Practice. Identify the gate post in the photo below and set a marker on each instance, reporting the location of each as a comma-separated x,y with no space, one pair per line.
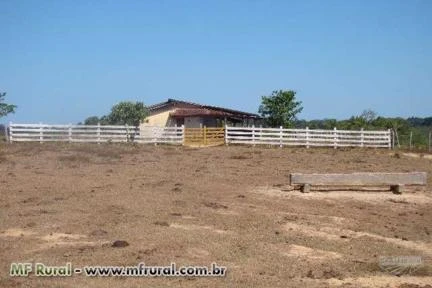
205,135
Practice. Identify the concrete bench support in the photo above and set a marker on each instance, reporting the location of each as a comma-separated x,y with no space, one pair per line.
305,188
396,181
397,189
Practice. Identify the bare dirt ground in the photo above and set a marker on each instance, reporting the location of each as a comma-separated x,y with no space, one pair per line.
69,203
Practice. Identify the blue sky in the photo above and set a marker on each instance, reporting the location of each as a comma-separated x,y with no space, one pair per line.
62,61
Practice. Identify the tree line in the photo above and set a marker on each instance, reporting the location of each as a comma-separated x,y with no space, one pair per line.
281,109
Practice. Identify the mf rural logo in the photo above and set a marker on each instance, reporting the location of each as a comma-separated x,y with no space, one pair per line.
40,269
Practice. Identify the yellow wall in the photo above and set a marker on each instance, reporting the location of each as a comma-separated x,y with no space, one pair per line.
160,119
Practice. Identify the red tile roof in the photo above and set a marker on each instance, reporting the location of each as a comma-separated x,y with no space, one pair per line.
182,112
195,109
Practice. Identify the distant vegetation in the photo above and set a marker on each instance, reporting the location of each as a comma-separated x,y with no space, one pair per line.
281,109
369,120
5,108
130,113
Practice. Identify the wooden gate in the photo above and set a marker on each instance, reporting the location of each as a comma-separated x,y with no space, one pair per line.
204,136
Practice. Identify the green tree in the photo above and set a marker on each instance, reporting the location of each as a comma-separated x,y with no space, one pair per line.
329,124
130,113
104,120
5,108
92,120
280,108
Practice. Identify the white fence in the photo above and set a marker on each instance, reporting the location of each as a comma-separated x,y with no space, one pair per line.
307,137
174,135
94,133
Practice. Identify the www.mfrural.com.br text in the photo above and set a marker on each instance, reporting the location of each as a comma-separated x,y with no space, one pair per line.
139,270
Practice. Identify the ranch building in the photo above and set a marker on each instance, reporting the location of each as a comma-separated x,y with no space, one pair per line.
191,115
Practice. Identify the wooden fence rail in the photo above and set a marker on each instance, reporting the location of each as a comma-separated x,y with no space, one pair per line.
178,135
308,137
94,133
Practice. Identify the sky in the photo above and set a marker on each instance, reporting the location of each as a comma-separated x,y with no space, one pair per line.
62,61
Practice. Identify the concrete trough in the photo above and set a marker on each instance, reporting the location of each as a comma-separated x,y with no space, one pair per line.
396,181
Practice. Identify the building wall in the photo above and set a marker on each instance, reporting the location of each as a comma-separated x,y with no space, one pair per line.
161,119
210,122
193,122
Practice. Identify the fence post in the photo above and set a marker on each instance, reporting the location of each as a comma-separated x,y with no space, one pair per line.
205,135
127,132
253,135
397,138
135,133
8,138
280,136
183,133
389,139
362,137
307,137
335,138
98,133
70,132
410,143
393,134
260,135
226,134
40,133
